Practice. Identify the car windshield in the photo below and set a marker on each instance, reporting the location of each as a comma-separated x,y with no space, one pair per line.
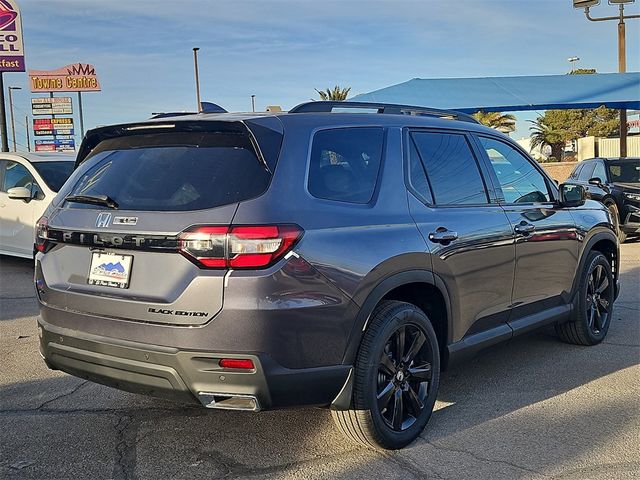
55,173
625,172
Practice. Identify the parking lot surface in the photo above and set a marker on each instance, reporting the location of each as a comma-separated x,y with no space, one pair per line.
533,408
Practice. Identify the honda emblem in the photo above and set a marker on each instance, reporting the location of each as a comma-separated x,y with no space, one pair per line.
103,220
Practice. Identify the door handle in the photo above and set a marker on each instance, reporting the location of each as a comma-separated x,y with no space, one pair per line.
442,235
524,228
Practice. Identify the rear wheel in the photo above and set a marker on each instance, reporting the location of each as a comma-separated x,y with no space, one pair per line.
396,378
591,320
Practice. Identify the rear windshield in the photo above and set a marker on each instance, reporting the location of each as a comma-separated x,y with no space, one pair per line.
54,174
172,172
625,172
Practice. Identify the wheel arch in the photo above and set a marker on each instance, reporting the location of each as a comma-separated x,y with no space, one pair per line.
604,242
422,288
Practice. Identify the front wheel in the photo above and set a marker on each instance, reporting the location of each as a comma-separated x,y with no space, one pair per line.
396,378
592,317
615,215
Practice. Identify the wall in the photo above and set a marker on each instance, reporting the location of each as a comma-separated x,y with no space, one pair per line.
559,170
610,147
586,148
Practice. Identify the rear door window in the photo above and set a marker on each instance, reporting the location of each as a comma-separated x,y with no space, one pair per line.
345,163
451,168
176,171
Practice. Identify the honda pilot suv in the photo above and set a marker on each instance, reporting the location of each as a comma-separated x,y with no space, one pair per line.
338,255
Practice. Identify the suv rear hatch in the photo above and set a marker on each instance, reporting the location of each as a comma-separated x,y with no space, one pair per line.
140,231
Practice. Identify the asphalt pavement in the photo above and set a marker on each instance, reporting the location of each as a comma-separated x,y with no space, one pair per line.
532,408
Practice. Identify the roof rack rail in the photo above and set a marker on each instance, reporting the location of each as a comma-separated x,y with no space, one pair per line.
389,108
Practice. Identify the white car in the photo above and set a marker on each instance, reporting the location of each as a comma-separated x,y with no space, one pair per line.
28,183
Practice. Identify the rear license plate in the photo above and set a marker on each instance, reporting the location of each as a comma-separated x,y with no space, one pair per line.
110,270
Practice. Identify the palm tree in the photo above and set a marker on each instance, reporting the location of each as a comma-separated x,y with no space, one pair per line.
503,122
544,135
337,93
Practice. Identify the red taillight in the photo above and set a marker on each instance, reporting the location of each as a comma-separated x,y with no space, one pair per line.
255,246
239,363
42,234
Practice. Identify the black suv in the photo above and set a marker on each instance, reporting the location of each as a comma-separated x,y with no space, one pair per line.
616,183
338,255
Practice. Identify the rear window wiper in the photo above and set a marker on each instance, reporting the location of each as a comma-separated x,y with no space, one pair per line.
104,200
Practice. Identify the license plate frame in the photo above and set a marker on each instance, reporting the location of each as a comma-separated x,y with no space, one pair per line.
110,269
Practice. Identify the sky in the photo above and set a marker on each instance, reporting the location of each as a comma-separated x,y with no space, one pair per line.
281,50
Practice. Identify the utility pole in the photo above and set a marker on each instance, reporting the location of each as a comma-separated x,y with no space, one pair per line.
622,50
13,123
26,122
3,117
195,66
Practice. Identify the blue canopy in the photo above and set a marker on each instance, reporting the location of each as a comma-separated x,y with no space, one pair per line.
497,94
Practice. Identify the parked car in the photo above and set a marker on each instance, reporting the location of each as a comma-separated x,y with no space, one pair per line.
28,182
313,258
616,183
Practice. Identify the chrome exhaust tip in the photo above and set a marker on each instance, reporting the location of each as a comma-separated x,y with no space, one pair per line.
229,401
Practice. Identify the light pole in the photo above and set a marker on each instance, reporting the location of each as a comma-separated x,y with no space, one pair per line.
622,51
253,103
13,124
195,66
572,61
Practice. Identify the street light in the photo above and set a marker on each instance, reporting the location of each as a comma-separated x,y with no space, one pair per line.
253,103
195,66
622,50
13,125
573,60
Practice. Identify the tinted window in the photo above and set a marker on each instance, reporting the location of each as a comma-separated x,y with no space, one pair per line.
417,174
54,174
172,172
345,163
599,172
17,175
576,172
451,168
585,173
520,181
625,172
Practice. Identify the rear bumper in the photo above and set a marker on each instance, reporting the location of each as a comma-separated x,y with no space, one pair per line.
188,376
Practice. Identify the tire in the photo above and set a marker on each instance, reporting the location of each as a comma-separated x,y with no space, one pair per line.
591,319
613,208
385,408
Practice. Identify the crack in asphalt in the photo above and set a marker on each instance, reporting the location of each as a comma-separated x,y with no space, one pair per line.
124,464
483,459
408,466
63,395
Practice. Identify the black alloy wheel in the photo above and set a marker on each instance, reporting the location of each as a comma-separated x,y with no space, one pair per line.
599,294
404,375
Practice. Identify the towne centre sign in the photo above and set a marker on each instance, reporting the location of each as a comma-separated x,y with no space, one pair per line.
78,77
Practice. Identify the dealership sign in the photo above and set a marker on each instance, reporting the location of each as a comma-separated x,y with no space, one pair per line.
11,46
51,106
57,145
53,126
79,77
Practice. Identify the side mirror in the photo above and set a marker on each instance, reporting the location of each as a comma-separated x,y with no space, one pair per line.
19,193
595,181
572,195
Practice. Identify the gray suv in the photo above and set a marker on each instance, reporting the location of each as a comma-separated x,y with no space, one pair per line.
338,255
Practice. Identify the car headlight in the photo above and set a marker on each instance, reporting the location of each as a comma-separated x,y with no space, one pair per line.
633,196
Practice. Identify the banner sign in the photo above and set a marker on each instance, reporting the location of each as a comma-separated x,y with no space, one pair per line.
59,127
78,77
11,46
57,145
51,106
